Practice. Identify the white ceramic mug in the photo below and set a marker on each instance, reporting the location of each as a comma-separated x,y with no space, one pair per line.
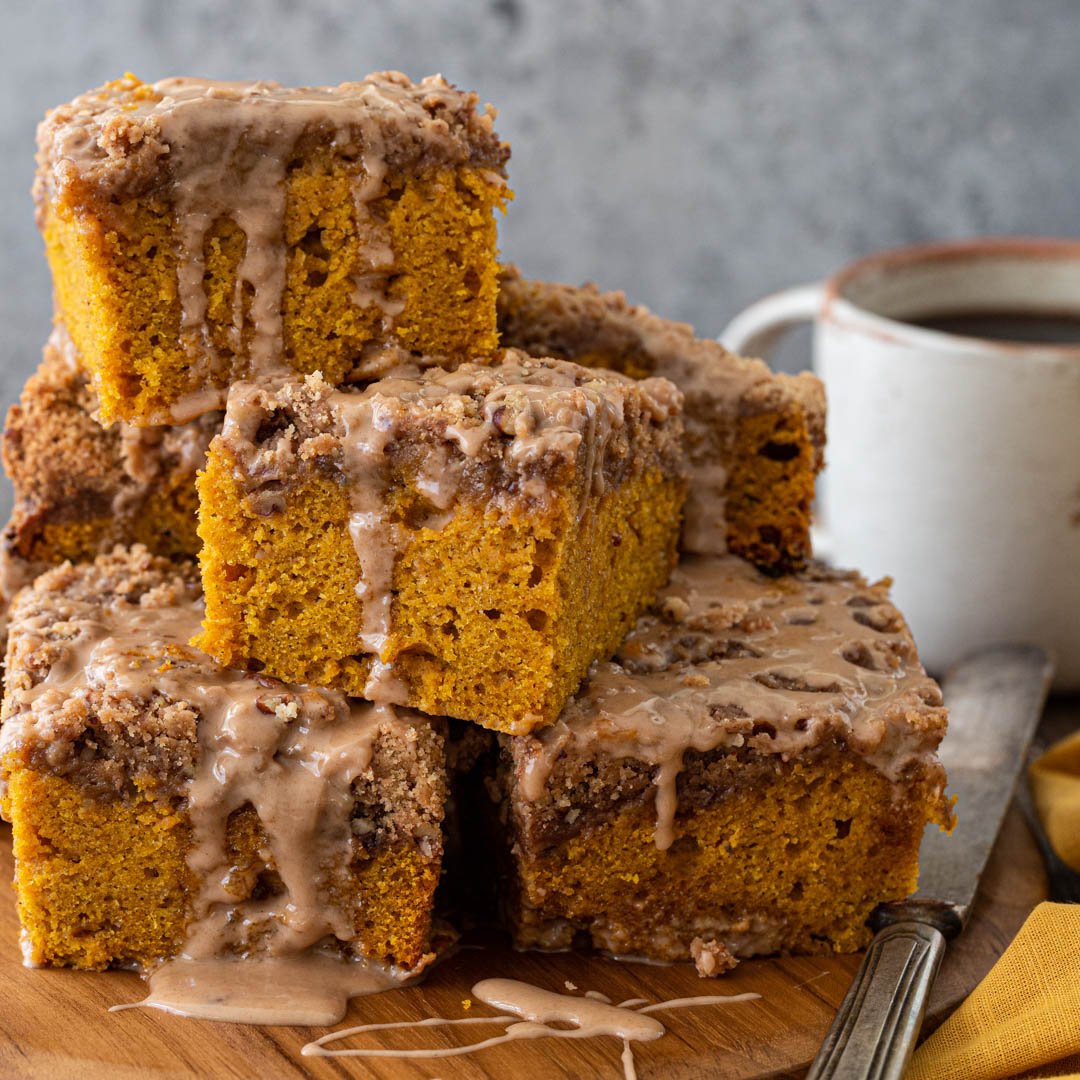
953,461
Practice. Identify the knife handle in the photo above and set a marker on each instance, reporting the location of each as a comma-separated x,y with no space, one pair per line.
874,1032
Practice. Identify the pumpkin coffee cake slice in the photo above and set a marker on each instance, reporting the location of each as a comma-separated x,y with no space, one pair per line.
463,542
81,488
162,805
202,231
754,439
752,774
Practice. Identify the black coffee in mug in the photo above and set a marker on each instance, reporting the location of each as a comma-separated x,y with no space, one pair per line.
1044,328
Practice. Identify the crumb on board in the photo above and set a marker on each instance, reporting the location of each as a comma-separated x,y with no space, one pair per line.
711,958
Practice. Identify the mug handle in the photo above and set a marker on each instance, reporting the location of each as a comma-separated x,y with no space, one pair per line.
756,330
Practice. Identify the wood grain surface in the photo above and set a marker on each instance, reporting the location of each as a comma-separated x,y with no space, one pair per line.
55,1024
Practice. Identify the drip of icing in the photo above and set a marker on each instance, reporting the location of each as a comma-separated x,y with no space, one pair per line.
716,385
231,153
533,1012
371,424
704,999
368,432
293,758
704,515
146,450
193,404
292,754
255,199
152,456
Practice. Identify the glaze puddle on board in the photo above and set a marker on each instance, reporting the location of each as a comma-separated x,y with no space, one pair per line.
307,990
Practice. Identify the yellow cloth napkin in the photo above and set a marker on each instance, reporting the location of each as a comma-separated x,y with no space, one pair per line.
1025,1015
1023,1019
1055,785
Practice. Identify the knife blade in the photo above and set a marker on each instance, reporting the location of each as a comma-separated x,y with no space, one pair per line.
995,700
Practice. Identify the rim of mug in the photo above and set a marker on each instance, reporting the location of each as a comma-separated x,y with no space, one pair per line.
837,308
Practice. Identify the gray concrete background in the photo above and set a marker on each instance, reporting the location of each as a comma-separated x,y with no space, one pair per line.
696,153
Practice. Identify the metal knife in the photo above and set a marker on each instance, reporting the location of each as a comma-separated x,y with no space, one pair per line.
995,700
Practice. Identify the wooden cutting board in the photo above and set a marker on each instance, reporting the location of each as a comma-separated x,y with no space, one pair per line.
54,1024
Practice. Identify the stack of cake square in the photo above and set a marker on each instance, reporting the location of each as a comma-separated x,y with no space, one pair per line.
454,528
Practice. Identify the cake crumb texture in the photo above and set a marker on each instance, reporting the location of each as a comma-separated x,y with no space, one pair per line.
793,863
711,958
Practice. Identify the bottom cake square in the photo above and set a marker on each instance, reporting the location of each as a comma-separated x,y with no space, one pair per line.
161,804
752,774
